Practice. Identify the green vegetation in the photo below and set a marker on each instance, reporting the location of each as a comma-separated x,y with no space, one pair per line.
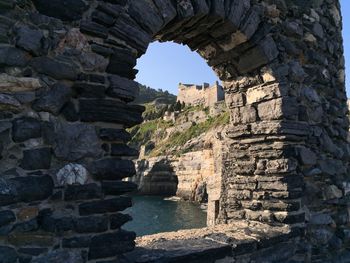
148,95
180,138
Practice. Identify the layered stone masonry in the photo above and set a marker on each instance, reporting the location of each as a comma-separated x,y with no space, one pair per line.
66,81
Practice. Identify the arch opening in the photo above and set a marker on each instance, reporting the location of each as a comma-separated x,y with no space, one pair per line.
67,83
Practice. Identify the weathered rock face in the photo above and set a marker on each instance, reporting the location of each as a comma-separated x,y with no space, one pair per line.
185,176
287,155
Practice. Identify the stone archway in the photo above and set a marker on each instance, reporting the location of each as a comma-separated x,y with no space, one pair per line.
66,82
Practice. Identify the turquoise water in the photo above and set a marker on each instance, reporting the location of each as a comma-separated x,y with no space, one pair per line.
153,214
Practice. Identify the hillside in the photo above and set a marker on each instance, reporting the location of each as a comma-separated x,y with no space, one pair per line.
166,137
149,95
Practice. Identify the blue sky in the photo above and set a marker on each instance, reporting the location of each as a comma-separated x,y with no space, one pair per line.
166,64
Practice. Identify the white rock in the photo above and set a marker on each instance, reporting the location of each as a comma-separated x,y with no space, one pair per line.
72,174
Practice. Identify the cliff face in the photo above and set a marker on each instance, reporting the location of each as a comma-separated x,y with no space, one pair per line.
193,176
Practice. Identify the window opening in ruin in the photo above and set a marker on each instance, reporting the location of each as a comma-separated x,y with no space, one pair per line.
184,110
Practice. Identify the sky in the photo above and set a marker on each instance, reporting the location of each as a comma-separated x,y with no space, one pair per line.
165,65
345,6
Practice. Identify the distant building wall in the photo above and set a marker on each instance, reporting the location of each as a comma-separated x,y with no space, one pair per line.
200,94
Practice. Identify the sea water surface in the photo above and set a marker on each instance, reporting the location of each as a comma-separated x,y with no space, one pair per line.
156,214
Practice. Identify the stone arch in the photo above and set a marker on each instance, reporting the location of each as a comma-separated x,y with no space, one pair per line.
67,70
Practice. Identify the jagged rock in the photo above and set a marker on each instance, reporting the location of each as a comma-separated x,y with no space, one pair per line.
30,40
9,103
36,159
16,84
332,192
75,141
72,174
25,128
54,68
67,11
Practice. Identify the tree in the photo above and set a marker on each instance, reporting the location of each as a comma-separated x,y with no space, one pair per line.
177,106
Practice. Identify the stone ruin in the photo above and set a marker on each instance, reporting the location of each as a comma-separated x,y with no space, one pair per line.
66,83
205,94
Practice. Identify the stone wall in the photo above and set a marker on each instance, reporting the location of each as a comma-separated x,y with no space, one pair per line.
200,95
66,81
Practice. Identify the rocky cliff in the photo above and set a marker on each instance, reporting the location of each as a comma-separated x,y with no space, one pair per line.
183,159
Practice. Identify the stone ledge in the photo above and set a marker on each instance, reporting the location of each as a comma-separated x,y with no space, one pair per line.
208,244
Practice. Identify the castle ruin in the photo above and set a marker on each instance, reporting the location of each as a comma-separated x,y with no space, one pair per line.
200,94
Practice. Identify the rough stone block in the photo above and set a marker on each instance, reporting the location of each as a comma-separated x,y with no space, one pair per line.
30,40
76,242
56,9
111,244
8,254
110,135
54,99
123,150
122,88
112,169
146,14
54,68
91,224
118,188
105,206
36,159
117,220
263,93
246,114
82,192
88,90
13,57
6,217
110,111
25,128
93,29
75,141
